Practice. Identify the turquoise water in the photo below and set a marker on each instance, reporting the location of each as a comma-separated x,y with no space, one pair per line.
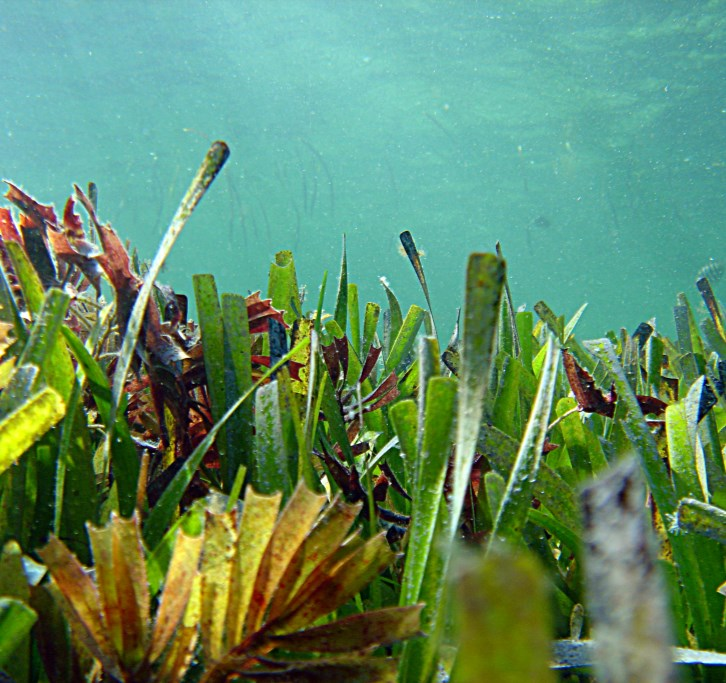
589,138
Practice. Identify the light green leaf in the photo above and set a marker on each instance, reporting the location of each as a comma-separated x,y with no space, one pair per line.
23,427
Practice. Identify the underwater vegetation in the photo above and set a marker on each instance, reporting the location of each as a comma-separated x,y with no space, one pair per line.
267,494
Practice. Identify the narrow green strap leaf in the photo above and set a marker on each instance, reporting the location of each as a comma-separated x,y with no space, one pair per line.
394,307
525,325
518,496
237,340
406,337
484,285
312,411
43,348
336,425
682,451
554,526
494,486
570,327
341,301
694,516
370,323
29,280
403,416
438,427
282,286
505,413
212,164
321,300
583,446
270,469
414,257
124,457
549,318
428,360
212,329
354,319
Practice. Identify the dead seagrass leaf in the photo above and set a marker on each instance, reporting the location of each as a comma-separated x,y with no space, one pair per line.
590,399
294,524
310,565
350,668
122,587
79,601
355,633
111,615
177,591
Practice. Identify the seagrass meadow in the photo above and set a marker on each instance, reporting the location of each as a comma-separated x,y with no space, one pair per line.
283,493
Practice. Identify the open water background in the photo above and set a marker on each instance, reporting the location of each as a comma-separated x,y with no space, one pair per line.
588,137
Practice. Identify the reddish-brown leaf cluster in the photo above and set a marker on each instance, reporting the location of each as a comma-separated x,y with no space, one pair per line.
348,480
170,376
351,404
59,251
590,399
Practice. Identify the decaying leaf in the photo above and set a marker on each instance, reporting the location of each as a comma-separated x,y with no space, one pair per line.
247,586
348,480
347,390
111,614
590,399
309,567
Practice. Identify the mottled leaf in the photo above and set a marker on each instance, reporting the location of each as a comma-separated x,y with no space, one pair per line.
350,669
80,601
259,515
292,527
627,602
177,590
220,537
328,533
